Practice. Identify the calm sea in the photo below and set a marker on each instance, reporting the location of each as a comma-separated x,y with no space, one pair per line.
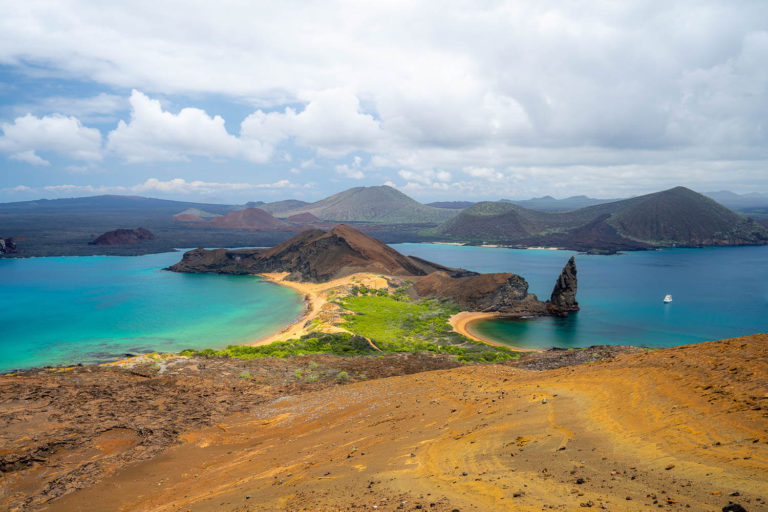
717,293
92,309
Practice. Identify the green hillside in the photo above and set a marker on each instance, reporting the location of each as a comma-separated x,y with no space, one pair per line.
277,208
380,205
675,217
680,216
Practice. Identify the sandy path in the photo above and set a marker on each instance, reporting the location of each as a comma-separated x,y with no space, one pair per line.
461,323
679,429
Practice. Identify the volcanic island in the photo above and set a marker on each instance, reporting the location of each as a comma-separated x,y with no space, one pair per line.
372,401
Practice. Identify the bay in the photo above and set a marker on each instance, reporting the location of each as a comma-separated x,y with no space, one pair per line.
718,292
67,310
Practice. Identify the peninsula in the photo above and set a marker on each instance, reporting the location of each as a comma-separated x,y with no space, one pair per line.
316,256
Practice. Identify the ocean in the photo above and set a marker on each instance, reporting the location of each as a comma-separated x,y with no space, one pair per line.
718,292
67,310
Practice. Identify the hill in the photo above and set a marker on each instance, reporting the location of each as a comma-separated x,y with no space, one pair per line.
380,205
314,256
123,237
550,204
279,207
678,217
673,429
250,218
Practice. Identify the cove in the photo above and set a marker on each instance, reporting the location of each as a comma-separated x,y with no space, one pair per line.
68,310
719,292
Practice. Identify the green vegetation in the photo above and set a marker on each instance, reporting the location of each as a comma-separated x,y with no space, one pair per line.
392,323
343,344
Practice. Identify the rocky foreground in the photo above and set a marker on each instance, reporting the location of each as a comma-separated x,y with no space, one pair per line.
677,429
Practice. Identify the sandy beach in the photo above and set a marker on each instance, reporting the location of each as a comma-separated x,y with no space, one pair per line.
319,313
461,323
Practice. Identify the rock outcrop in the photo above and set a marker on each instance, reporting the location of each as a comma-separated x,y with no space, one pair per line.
503,292
123,237
7,246
563,297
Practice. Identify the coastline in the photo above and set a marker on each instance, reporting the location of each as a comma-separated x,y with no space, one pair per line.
320,314
462,324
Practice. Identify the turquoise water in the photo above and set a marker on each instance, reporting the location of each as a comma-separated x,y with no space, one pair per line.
91,309
718,293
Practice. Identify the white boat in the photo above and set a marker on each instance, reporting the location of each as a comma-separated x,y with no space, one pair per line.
667,298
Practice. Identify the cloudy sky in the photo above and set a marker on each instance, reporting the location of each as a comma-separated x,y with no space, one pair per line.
231,101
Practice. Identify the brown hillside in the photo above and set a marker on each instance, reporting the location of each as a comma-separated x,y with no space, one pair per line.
249,218
123,237
187,217
312,255
674,429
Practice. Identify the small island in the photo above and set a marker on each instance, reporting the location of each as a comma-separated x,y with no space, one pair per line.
318,264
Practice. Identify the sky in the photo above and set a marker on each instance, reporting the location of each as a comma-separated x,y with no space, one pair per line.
238,100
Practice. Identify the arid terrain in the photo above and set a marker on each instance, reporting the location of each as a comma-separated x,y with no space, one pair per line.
681,428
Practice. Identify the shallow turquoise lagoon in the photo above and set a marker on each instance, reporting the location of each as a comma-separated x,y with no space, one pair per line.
91,309
718,293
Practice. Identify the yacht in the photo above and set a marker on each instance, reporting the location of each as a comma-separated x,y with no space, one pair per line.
667,298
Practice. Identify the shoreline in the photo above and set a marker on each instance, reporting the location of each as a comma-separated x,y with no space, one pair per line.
319,314
462,324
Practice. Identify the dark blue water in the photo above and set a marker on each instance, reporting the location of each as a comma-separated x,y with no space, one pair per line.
718,293
90,309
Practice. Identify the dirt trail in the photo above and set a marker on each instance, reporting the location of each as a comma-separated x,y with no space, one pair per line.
681,428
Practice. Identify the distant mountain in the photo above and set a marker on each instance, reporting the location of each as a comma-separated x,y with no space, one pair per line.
738,201
250,218
110,203
754,205
194,215
381,205
676,217
451,205
279,207
550,204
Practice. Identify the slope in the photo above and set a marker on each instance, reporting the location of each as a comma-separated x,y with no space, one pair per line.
680,216
678,429
314,256
675,217
381,205
250,218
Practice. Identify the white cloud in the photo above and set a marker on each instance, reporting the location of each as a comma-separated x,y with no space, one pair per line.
332,123
29,157
425,177
153,134
181,186
175,186
354,172
94,108
466,88
29,134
